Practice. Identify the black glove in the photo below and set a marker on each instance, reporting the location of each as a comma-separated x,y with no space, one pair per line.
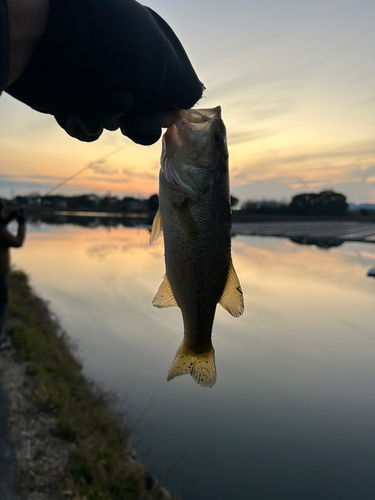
111,64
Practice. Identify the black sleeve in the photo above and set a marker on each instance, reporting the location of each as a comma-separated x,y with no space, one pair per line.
4,45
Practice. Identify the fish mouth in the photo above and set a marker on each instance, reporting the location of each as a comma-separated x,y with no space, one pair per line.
185,122
189,120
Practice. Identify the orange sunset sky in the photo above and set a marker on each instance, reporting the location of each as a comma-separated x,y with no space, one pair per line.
296,82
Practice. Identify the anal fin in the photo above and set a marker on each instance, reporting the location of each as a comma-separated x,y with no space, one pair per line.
164,296
232,297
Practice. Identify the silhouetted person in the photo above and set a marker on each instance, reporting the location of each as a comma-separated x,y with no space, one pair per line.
7,240
95,64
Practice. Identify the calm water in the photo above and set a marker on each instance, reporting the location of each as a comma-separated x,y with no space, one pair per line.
292,415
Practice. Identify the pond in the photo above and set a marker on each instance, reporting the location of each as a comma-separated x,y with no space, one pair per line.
292,414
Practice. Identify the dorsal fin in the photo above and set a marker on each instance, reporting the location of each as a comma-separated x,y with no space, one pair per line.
232,298
164,296
157,227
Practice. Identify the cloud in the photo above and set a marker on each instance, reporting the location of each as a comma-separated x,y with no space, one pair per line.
102,169
20,185
247,136
349,169
127,172
327,165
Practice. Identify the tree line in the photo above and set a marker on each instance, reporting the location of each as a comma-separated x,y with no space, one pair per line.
326,203
322,204
88,202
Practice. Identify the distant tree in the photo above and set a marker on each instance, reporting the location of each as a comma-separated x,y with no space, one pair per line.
233,201
270,207
127,203
324,203
249,206
364,212
153,203
109,202
21,200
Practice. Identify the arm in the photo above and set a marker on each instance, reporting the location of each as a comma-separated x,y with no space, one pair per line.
9,240
27,24
22,25
97,64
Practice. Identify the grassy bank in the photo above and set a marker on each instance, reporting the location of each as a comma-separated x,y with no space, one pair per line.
99,466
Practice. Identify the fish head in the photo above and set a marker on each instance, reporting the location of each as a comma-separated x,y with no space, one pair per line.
195,151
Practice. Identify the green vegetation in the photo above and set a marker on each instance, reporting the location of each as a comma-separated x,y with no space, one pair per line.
99,467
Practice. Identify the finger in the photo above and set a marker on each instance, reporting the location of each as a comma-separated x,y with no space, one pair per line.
165,119
84,127
141,126
112,123
117,103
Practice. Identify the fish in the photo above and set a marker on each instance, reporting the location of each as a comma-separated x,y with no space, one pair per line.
194,217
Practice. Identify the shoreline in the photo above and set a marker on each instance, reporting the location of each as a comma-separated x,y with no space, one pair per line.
67,438
237,215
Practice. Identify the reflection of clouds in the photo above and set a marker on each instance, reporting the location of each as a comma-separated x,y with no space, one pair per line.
134,244
365,258
102,251
275,268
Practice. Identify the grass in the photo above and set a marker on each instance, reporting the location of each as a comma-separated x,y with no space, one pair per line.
99,467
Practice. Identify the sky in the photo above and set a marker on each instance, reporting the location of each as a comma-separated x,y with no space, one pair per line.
296,83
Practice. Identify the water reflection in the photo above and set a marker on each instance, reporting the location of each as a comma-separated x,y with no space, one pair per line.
292,414
91,219
318,242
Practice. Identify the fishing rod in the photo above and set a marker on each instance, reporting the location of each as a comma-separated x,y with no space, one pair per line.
81,170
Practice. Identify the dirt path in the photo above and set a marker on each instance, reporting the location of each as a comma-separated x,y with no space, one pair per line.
8,448
32,461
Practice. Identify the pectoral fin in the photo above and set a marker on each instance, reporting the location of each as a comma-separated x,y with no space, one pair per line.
157,227
187,222
164,296
232,298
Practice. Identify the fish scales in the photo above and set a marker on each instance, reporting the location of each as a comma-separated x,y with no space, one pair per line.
197,263
195,217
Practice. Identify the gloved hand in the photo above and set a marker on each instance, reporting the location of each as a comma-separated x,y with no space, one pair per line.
11,216
111,64
21,219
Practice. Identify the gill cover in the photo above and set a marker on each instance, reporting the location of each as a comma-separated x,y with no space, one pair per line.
186,145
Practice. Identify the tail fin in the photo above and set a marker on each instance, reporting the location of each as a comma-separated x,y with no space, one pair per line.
200,365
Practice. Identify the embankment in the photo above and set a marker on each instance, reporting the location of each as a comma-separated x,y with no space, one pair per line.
71,440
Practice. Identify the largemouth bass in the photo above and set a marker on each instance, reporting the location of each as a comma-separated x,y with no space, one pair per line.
195,217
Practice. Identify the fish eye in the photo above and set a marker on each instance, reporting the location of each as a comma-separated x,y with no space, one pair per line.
218,137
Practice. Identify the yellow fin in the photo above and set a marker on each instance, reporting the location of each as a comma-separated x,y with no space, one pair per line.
164,296
200,365
232,298
157,227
